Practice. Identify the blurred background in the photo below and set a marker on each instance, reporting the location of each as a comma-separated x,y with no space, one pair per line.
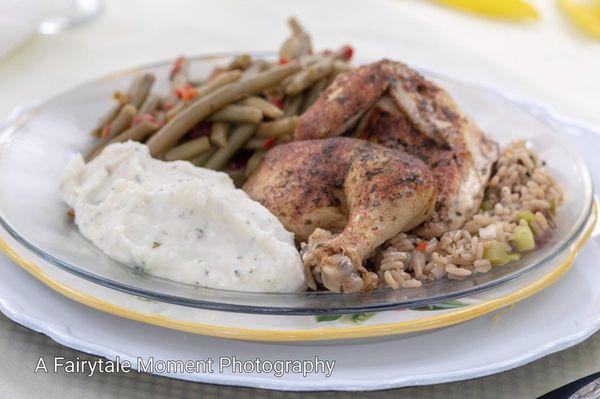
546,50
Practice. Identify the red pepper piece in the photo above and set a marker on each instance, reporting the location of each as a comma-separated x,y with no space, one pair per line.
278,102
105,130
186,92
269,143
348,52
143,117
168,105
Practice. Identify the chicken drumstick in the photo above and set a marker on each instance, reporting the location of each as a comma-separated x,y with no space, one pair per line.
365,191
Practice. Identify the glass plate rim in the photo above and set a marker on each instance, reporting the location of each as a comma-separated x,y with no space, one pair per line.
322,333
12,128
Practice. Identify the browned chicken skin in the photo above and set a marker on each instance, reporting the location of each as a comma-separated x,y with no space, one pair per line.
417,116
365,191
386,125
343,102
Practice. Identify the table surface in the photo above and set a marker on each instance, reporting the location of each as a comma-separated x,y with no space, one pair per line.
548,61
21,349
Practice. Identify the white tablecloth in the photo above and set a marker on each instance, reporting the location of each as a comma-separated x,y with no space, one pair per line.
546,60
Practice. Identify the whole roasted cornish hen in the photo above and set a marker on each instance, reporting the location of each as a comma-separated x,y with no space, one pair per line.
364,191
395,106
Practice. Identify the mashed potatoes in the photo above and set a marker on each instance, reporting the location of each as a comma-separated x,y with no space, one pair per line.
180,222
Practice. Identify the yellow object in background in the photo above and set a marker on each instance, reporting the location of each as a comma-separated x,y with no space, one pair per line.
586,15
514,10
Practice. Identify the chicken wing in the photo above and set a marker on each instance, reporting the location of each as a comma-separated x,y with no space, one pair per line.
366,192
421,119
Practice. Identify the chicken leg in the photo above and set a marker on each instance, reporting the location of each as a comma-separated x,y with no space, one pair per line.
366,192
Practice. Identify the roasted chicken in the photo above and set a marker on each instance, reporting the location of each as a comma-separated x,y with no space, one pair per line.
364,191
407,112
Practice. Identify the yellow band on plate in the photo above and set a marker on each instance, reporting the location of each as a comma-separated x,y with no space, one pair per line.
325,333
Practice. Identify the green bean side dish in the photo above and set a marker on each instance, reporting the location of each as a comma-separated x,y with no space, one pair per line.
230,119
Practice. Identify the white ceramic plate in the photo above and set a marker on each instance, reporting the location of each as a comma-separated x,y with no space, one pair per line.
562,315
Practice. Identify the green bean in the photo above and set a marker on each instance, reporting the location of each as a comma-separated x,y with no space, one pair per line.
308,59
256,143
238,114
340,67
219,134
203,158
254,68
274,94
107,119
269,110
285,139
179,75
177,108
140,88
206,88
197,82
277,128
292,105
137,89
240,62
254,161
173,130
295,26
179,81
239,136
150,105
313,93
122,121
137,132
337,56
189,149
219,81
298,44
306,77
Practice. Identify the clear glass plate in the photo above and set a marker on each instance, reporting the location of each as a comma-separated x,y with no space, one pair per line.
35,149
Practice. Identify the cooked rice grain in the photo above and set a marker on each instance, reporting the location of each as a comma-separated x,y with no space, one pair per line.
519,183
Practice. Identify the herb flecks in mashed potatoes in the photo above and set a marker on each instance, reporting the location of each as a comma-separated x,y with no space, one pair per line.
180,222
